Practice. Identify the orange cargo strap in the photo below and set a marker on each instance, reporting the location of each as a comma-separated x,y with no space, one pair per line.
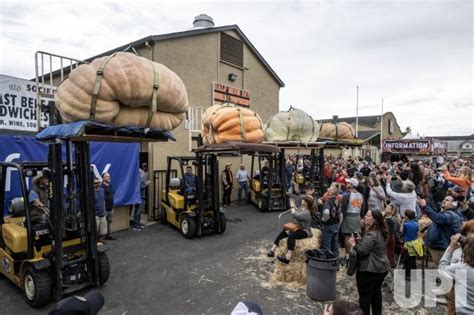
156,87
98,82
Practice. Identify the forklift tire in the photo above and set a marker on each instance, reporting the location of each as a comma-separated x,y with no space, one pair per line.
36,286
262,204
188,227
163,217
104,268
223,223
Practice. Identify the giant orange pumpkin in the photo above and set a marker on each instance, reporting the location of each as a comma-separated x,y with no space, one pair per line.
341,130
228,123
122,89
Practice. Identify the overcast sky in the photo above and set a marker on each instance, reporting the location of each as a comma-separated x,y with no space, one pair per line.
416,55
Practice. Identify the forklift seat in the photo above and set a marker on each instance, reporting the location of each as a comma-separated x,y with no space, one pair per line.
175,183
17,207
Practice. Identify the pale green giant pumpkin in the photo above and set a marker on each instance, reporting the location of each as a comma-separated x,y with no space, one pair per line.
293,125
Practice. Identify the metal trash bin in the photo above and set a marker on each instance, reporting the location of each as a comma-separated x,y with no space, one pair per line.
321,272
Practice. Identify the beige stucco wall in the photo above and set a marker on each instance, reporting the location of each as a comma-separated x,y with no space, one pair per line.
196,61
397,133
121,219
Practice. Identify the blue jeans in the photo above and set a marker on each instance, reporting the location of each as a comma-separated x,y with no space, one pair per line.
243,186
329,238
137,213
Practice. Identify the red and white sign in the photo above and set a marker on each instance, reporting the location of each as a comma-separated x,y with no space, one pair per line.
228,94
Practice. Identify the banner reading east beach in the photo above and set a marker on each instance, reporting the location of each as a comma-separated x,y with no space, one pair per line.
18,104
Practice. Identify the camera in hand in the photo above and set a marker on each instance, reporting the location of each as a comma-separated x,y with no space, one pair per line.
461,239
394,177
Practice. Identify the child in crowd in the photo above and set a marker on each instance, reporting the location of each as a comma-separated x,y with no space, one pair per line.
413,244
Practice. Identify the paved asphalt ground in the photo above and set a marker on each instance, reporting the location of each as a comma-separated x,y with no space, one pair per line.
157,271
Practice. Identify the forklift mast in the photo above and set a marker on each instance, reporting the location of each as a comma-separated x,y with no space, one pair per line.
208,172
83,220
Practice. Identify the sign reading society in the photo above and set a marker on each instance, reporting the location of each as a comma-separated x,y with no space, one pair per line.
18,104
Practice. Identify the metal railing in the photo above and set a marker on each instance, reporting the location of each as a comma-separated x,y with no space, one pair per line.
195,118
194,123
50,68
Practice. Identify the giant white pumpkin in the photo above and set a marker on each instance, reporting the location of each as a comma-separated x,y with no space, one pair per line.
293,125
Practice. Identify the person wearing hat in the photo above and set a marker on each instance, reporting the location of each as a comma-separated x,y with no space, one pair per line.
351,207
227,180
445,224
38,199
101,220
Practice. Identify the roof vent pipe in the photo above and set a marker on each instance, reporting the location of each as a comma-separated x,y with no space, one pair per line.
204,21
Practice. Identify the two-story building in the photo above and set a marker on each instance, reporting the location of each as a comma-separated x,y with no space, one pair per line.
369,129
216,64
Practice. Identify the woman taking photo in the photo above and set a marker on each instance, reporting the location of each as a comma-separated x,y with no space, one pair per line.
302,219
373,263
376,195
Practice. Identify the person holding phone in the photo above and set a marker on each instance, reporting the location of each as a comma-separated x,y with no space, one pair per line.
302,227
373,263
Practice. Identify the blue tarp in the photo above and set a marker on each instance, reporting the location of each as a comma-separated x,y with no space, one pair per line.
87,127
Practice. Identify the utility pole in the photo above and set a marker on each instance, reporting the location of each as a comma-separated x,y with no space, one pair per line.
381,133
357,113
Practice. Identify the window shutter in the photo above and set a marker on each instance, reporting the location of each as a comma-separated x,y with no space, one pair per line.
232,50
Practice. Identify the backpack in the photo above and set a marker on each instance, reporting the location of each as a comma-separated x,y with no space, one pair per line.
334,211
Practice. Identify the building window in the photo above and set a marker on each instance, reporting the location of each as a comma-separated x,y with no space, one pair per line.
390,126
232,50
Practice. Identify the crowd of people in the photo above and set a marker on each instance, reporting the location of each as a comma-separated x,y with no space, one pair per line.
408,209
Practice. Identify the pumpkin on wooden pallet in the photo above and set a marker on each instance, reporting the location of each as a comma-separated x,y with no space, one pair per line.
293,125
340,130
228,123
123,89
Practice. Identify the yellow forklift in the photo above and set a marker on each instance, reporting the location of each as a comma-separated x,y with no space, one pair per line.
313,161
58,254
310,172
193,208
268,184
196,211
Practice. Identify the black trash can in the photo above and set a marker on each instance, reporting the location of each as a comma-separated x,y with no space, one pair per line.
321,272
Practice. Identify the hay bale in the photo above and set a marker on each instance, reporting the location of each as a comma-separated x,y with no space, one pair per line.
295,271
